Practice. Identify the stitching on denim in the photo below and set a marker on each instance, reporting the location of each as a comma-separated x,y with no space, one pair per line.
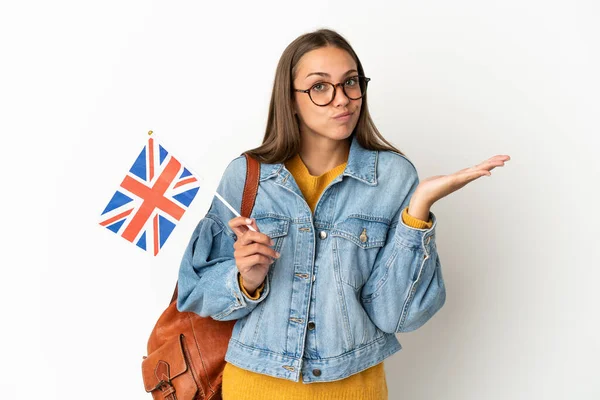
366,245
342,298
413,289
368,218
379,284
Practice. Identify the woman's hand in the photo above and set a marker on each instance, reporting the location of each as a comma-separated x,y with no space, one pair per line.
252,253
436,187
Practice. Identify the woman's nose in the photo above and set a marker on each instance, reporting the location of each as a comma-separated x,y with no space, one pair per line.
340,97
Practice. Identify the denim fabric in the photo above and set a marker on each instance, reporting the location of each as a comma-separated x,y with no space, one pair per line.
349,277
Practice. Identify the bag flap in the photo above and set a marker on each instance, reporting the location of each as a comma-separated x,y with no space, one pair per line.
164,364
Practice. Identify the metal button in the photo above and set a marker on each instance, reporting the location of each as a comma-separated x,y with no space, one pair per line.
363,235
311,326
323,235
316,372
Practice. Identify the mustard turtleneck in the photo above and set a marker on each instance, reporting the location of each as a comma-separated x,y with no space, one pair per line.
311,186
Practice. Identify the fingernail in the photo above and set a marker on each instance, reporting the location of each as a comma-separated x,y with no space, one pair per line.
272,242
277,254
248,221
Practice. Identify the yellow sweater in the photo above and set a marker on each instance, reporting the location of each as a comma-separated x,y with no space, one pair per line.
370,384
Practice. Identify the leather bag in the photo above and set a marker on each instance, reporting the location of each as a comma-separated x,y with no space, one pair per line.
186,352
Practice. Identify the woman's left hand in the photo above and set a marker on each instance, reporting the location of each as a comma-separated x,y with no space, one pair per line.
436,187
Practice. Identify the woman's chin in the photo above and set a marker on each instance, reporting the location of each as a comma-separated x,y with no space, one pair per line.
343,133
336,133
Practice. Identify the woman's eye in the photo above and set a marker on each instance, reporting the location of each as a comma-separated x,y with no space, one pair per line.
351,82
318,87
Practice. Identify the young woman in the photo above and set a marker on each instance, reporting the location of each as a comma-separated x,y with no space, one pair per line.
344,253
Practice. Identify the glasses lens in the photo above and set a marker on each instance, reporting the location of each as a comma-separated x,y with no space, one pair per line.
355,87
321,93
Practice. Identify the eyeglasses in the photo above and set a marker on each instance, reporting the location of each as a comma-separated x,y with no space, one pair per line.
323,93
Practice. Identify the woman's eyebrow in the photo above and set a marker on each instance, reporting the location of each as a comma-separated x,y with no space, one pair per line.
325,74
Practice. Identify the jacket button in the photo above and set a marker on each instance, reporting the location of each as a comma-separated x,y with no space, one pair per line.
316,372
363,236
311,326
323,235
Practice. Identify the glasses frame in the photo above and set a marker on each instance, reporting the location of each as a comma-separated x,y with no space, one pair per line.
335,85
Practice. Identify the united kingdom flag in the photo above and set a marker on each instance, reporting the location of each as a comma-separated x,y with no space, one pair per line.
152,198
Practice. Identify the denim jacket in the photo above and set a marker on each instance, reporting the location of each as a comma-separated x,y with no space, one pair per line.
349,276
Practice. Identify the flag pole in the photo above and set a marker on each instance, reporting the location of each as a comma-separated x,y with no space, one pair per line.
233,210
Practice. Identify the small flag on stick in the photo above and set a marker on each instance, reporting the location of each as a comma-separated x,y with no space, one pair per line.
152,198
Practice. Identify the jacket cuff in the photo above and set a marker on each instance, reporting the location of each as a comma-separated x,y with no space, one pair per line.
419,238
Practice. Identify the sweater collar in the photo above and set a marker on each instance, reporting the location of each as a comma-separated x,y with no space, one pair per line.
361,165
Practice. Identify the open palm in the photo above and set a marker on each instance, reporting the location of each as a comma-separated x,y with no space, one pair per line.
436,187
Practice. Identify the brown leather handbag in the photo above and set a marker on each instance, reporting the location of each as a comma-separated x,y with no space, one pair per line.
186,352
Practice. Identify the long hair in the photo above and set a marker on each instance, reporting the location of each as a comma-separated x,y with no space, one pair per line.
282,136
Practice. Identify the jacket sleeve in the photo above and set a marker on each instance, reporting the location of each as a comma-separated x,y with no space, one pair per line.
405,287
208,276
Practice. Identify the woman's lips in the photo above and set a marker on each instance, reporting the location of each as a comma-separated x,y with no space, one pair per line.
343,118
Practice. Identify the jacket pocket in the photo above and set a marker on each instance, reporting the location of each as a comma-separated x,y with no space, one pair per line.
275,227
358,241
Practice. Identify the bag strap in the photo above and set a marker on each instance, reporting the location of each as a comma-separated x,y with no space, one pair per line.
250,186
248,197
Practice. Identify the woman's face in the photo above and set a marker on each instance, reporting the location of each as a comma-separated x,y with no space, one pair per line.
326,64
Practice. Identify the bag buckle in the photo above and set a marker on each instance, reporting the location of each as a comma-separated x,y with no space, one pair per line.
167,390
162,373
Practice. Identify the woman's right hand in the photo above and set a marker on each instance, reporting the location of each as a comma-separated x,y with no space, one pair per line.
252,252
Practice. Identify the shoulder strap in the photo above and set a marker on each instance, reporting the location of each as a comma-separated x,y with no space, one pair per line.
248,197
251,185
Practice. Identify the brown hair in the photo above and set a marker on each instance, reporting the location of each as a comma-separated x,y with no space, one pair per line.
282,136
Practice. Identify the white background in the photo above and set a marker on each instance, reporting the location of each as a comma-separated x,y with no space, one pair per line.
453,83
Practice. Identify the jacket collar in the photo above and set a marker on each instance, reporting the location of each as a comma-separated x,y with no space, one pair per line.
362,165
